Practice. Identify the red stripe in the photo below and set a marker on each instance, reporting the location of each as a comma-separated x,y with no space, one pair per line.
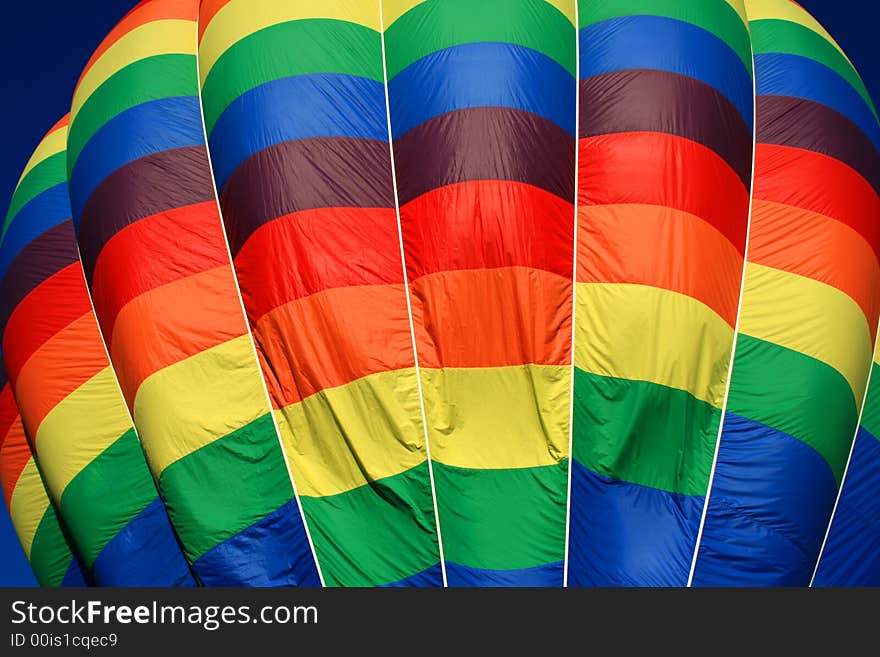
165,247
821,184
46,310
332,338
315,250
487,224
492,318
661,169
14,449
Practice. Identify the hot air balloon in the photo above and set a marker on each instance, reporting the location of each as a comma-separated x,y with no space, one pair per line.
158,268
71,409
495,293
42,534
809,308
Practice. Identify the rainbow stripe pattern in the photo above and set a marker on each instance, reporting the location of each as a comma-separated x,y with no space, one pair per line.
295,112
36,522
665,147
809,309
67,392
158,268
482,99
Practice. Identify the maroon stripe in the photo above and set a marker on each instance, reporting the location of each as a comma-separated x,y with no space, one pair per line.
161,181
485,143
41,259
660,101
304,174
800,123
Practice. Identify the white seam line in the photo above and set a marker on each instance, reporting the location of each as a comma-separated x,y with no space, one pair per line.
577,112
247,323
412,331
742,288
852,448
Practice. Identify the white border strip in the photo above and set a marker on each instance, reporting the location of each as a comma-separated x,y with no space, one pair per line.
247,323
574,264
412,332
852,448
742,287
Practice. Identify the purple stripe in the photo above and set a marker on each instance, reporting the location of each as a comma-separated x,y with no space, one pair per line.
800,123
638,100
42,258
153,184
485,143
304,174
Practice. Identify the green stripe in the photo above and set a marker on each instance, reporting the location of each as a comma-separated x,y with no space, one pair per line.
226,486
47,174
439,24
168,76
106,494
797,395
320,46
785,37
715,16
50,553
644,433
377,533
502,519
871,414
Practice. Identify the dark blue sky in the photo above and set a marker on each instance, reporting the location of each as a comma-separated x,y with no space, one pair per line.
46,44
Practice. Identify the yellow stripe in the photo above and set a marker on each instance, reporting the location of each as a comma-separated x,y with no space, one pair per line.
28,505
877,350
739,6
82,426
239,18
148,40
394,9
758,10
810,317
194,402
644,333
498,417
345,437
52,144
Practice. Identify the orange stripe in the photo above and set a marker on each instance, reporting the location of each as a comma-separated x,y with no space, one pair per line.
492,318
145,12
333,337
30,325
62,123
196,246
72,357
14,456
661,247
809,244
207,11
818,183
173,322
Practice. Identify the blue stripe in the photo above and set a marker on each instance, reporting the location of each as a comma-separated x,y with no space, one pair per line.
76,574
482,75
852,554
547,575
144,553
46,210
298,107
768,509
428,578
801,77
666,44
152,127
624,534
274,551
